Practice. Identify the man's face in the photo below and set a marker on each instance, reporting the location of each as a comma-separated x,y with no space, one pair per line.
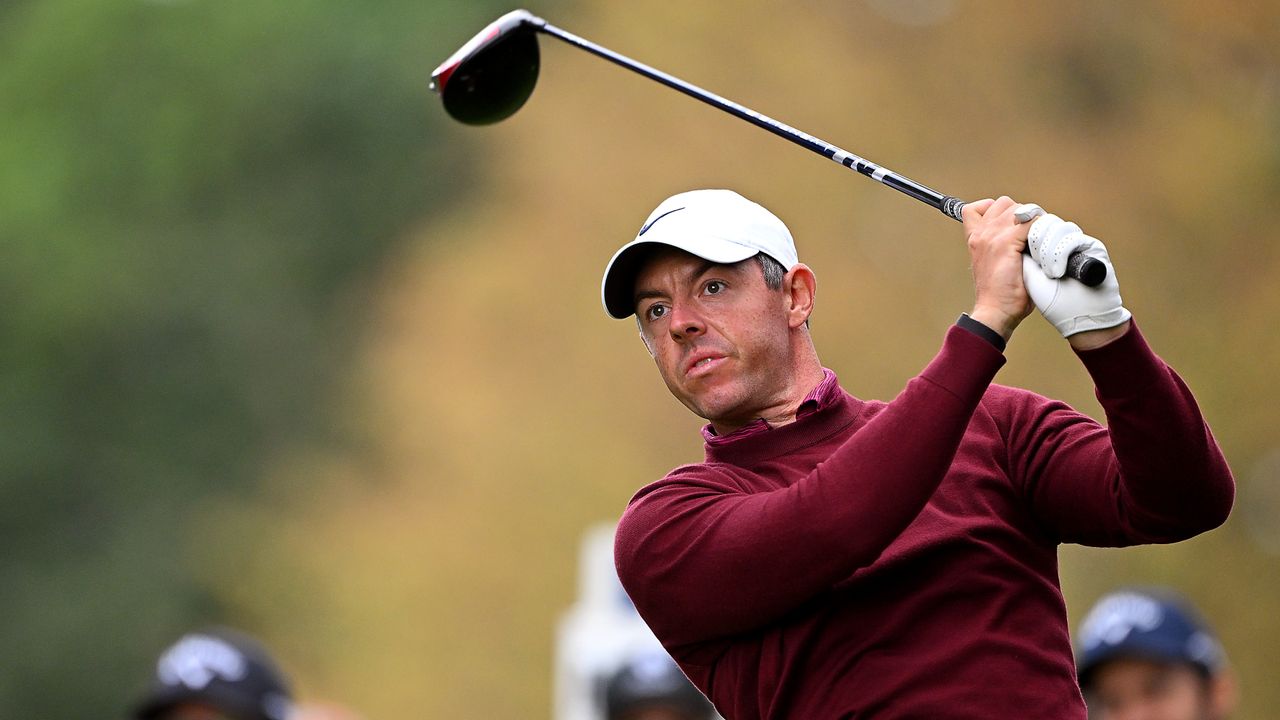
719,336
1132,689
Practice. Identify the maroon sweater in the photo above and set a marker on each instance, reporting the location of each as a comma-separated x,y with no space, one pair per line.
898,560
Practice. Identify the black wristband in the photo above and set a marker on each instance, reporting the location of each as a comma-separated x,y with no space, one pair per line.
981,331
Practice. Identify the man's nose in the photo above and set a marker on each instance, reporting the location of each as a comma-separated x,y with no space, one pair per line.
685,323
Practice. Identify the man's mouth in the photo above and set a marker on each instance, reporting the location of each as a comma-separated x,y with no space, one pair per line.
702,365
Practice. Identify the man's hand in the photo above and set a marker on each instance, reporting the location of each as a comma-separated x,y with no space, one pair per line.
1088,316
996,241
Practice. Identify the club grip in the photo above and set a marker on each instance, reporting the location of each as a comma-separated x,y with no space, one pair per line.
1090,271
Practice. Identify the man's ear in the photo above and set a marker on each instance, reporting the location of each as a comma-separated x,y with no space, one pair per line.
1223,694
801,289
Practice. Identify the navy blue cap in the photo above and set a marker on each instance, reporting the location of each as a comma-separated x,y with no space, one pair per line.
1146,625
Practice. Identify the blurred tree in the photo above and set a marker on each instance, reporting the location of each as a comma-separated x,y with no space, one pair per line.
190,194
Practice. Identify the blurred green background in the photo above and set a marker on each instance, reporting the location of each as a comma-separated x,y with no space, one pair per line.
283,348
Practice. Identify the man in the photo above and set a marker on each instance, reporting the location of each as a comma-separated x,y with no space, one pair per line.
649,686
1148,656
223,674
216,674
840,558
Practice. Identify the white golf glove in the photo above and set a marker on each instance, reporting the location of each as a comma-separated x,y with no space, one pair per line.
1070,305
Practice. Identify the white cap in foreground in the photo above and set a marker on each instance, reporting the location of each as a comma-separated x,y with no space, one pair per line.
716,225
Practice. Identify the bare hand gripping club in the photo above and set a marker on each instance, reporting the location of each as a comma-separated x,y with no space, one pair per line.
491,77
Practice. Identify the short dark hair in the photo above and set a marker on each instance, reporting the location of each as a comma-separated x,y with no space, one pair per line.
772,271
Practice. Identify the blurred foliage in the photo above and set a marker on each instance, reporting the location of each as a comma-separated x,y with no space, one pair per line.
285,349
193,195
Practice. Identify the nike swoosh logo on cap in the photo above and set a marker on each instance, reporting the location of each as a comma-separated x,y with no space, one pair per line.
645,229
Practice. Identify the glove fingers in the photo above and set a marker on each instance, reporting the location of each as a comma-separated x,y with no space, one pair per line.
1060,241
1039,233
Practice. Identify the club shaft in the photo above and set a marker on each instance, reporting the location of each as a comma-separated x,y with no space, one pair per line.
950,206
1079,266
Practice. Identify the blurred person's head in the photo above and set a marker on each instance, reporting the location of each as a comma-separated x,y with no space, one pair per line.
216,674
1147,655
650,686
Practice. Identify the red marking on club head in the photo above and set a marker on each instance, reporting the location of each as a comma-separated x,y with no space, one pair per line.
441,76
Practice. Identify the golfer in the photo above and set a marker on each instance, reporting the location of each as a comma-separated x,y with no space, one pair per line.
841,558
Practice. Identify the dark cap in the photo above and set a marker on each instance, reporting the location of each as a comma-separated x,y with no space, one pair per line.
1145,625
227,670
653,680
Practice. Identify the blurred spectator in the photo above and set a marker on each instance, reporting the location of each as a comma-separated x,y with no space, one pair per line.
216,674
650,686
222,674
1147,655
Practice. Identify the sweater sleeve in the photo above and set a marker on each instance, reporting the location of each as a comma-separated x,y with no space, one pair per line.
702,557
1153,475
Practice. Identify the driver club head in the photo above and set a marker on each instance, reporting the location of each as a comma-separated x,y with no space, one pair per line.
491,77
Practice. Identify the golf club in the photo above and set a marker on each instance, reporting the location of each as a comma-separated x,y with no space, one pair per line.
490,78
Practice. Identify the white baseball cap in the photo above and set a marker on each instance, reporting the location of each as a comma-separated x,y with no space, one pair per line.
716,225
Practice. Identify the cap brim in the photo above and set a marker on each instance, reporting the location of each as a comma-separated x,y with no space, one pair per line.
617,290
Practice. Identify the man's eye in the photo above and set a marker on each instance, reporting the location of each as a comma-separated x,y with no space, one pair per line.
714,287
656,311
